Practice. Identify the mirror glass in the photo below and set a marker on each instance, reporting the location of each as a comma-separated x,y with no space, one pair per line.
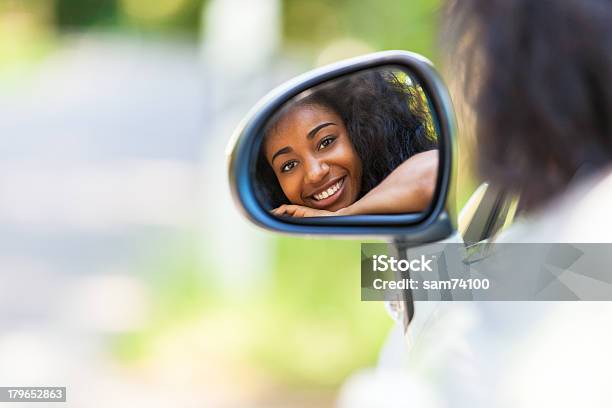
362,144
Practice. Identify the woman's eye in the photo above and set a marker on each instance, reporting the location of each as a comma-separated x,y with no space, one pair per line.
288,166
326,142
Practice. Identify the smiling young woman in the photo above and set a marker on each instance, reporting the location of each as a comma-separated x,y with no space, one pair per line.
360,145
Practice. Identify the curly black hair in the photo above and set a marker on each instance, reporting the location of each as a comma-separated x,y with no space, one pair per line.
537,75
387,118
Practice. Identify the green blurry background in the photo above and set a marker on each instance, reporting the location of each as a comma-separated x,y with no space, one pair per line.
292,337
32,27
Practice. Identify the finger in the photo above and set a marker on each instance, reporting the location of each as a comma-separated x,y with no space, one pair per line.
291,209
279,210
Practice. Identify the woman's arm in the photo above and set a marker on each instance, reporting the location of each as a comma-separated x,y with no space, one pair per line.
409,188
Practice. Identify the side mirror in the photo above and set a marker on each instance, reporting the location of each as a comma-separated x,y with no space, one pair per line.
362,147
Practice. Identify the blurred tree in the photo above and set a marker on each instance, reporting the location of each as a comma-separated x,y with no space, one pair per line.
26,33
382,24
181,16
166,15
76,13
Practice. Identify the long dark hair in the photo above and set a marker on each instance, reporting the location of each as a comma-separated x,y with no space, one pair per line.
538,76
387,119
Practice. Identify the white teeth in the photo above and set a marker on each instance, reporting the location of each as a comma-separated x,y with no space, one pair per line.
329,192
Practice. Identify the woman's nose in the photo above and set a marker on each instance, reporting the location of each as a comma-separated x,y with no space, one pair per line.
316,171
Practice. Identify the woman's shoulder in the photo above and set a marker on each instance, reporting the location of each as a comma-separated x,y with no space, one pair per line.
581,214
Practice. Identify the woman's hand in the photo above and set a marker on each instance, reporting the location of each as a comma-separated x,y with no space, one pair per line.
300,211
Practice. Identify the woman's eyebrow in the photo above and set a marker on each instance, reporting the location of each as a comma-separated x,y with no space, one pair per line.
310,135
281,151
314,131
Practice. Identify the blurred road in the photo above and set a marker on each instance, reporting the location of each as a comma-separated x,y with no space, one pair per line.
100,169
98,159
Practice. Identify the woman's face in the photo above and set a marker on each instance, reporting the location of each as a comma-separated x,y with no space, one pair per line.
314,159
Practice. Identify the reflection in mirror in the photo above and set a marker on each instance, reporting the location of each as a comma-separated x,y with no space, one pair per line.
365,143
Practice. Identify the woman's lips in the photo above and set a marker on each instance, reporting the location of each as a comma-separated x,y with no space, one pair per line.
329,196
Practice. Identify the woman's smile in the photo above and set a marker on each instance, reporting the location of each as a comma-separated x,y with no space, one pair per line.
328,194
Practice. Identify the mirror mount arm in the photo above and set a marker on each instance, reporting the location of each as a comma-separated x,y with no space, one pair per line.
403,309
